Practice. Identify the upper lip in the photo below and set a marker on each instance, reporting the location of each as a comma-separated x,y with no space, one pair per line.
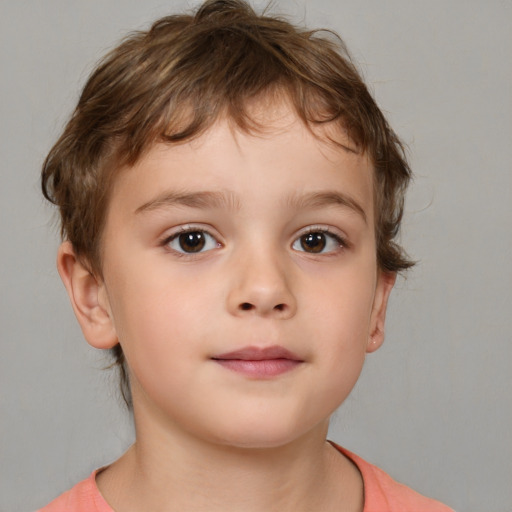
259,354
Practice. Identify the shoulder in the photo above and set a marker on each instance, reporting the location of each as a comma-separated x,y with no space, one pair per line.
383,494
83,497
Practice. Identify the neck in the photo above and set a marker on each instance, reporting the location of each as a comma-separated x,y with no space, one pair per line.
167,473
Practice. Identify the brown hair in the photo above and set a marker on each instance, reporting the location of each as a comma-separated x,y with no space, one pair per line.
174,81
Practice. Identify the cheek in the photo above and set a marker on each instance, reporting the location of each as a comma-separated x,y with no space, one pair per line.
341,351
341,326
339,356
163,321
140,307
155,317
343,303
157,330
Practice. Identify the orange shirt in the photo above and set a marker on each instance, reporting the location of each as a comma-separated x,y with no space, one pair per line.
381,494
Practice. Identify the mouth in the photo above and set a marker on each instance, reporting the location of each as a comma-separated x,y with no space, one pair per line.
258,362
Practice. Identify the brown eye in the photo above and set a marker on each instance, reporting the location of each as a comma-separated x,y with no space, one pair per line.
313,242
319,242
193,241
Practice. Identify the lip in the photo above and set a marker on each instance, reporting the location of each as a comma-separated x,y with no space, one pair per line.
259,362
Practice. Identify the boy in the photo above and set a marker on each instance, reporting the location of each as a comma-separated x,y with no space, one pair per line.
230,195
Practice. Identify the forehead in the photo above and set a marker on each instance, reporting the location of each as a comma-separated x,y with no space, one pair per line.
280,155
273,112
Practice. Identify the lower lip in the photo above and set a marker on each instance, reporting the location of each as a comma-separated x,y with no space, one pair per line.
259,369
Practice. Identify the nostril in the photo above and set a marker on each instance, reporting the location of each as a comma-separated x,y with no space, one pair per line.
247,306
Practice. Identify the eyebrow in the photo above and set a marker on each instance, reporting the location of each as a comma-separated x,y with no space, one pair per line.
207,199
202,199
328,198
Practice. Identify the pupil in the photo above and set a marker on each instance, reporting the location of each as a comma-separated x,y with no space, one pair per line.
192,242
313,242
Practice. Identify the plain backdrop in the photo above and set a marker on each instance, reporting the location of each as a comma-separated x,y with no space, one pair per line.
433,406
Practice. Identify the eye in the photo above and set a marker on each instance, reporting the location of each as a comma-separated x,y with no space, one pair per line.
318,242
192,241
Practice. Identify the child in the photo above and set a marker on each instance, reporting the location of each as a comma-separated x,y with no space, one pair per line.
230,196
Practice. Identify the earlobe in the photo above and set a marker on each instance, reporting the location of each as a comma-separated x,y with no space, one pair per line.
88,299
385,283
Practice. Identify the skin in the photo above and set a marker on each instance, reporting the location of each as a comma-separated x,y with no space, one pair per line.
209,438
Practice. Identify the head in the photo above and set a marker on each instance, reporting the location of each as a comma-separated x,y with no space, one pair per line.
172,83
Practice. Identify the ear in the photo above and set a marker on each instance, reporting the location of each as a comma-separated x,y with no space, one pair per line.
385,283
88,297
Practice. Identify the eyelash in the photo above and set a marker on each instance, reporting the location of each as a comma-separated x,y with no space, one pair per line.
340,241
183,231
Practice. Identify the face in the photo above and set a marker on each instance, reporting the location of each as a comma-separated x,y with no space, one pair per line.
240,278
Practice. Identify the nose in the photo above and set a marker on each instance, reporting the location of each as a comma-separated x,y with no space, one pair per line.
261,285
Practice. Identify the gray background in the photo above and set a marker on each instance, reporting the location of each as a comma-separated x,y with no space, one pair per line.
433,407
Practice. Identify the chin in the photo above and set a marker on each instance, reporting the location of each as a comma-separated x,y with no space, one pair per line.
265,435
